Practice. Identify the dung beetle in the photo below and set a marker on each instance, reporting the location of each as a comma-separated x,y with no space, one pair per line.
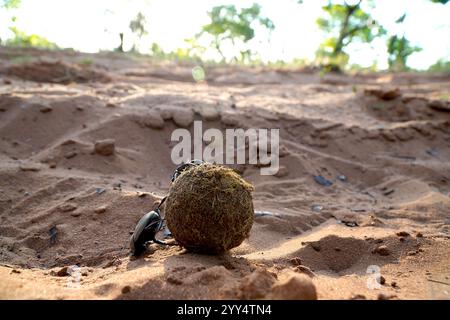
146,229
152,222
185,166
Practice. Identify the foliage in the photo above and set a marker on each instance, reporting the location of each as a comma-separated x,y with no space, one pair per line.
440,1
399,49
10,4
21,39
442,65
345,23
233,25
181,54
137,26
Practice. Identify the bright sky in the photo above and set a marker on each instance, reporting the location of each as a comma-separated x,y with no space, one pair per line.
92,25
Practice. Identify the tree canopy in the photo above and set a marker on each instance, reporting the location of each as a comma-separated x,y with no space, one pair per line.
344,23
227,23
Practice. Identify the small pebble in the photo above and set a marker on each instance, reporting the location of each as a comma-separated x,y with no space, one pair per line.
70,154
402,234
63,272
66,207
295,261
100,209
295,287
385,296
105,147
126,289
100,190
183,117
382,250
45,109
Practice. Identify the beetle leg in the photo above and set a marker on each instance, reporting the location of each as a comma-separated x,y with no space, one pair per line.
159,242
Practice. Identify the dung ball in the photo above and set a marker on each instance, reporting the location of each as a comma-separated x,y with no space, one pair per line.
209,209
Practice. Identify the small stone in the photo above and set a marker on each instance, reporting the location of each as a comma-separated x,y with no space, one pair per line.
15,271
382,280
358,297
385,296
401,239
126,289
45,109
230,119
183,117
100,209
67,207
296,261
29,167
75,214
153,120
394,284
402,234
382,250
316,246
419,234
105,147
70,154
63,272
256,285
174,280
100,190
305,270
209,113
295,287
166,112
111,105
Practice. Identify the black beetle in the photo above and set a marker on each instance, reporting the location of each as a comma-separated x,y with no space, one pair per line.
185,166
146,230
151,223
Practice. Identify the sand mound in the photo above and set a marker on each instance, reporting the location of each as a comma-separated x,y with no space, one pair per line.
55,72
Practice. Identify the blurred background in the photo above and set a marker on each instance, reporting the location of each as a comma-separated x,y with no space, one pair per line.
375,35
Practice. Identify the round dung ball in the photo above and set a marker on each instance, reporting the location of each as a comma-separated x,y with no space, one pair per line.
209,209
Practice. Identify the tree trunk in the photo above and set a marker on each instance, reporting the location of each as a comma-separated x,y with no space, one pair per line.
344,29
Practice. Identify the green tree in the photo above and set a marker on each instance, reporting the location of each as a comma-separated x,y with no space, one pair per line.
442,65
399,49
137,26
10,4
22,39
440,1
233,25
345,23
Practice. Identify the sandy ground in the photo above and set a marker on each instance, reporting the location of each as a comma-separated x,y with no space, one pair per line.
386,151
